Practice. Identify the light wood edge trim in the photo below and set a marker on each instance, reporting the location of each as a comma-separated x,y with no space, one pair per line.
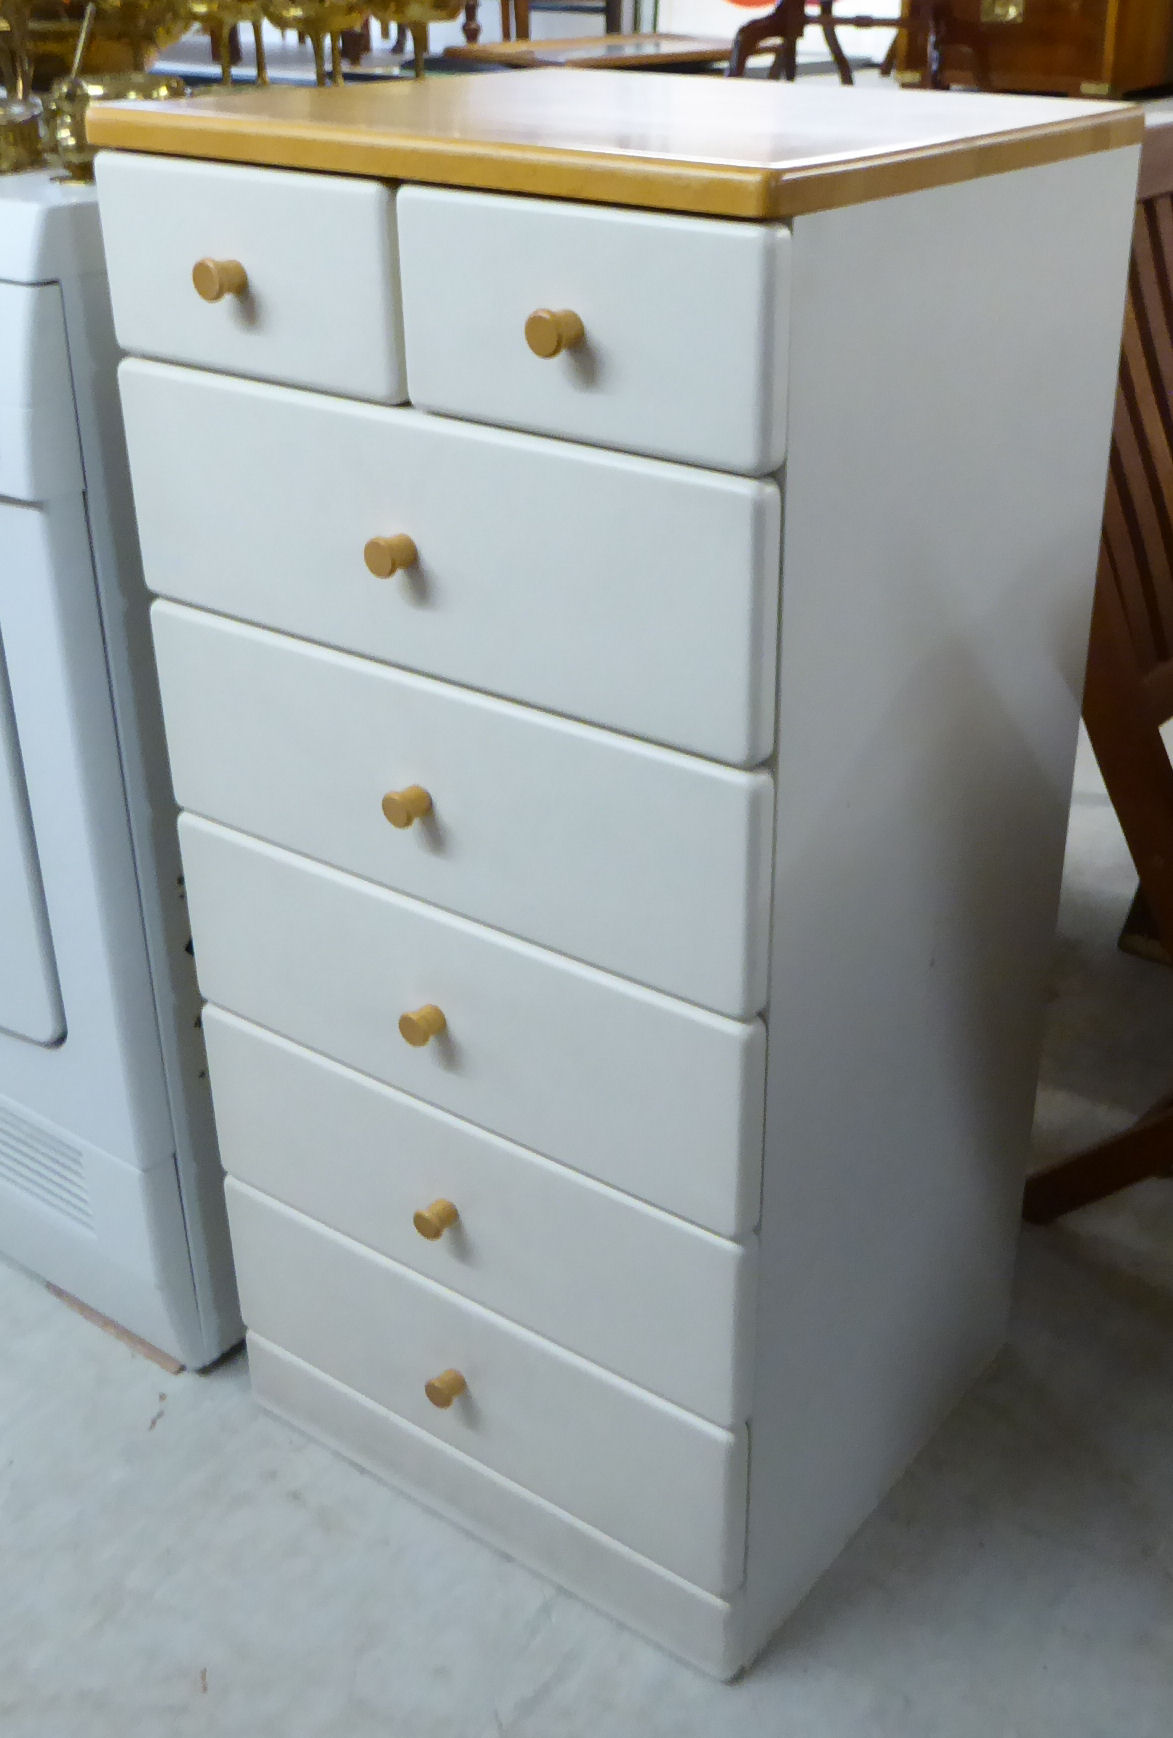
718,190
805,191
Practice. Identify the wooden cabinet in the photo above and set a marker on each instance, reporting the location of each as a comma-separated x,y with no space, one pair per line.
1093,48
624,896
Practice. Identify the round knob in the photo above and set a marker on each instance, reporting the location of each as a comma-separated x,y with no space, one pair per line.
432,1222
216,278
403,807
422,1025
443,1389
549,331
385,556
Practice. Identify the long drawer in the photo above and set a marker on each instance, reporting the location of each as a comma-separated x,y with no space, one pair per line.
633,594
637,859
669,1485
654,1096
683,324
650,1297
302,271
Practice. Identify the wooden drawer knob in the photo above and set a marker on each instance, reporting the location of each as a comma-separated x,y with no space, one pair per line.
403,807
549,331
422,1025
385,556
216,278
443,1389
432,1222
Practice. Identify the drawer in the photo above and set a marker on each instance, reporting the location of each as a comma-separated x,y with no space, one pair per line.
640,860
640,1470
40,457
684,321
651,1095
532,1238
615,589
320,307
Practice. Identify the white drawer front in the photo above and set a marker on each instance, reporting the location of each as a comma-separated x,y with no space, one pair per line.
685,320
656,1097
649,1297
321,307
637,859
615,589
648,1474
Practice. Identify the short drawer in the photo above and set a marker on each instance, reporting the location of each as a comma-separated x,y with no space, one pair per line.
317,305
637,859
669,1485
630,593
651,1095
647,1296
684,324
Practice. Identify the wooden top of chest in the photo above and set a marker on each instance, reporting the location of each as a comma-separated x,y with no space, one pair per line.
725,148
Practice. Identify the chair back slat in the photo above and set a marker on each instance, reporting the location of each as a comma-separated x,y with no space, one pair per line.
1146,467
1138,518
1126,568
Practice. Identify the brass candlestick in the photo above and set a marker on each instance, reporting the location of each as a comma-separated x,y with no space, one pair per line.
416,15
321,21
71,97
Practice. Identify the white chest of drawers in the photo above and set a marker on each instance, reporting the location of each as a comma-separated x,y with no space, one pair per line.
624,787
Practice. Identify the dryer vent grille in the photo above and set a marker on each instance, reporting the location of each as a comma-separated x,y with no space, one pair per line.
44,1166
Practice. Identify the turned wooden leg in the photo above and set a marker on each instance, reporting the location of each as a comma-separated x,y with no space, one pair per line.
472,30
357,43
1141,1152
259,46
419,42
938,33
831,37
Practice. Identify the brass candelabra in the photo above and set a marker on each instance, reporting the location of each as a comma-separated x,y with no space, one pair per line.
76,50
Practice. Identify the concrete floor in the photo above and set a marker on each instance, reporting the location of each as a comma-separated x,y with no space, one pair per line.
174,1562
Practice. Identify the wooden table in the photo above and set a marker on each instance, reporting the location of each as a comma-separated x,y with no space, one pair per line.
630,53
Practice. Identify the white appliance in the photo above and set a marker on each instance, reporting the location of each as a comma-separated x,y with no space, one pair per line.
110,1183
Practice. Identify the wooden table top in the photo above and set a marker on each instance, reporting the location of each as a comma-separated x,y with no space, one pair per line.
626,52
723,147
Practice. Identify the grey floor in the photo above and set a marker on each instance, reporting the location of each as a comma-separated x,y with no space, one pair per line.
173,1562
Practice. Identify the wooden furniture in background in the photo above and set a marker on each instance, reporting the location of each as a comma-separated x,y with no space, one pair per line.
1070,47
638,53
1129,690
927,29
515,17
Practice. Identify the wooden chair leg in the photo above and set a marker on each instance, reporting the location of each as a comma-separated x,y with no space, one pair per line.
1140,936
470,27
1141,1152
786,22
521,20
506,21
831,37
